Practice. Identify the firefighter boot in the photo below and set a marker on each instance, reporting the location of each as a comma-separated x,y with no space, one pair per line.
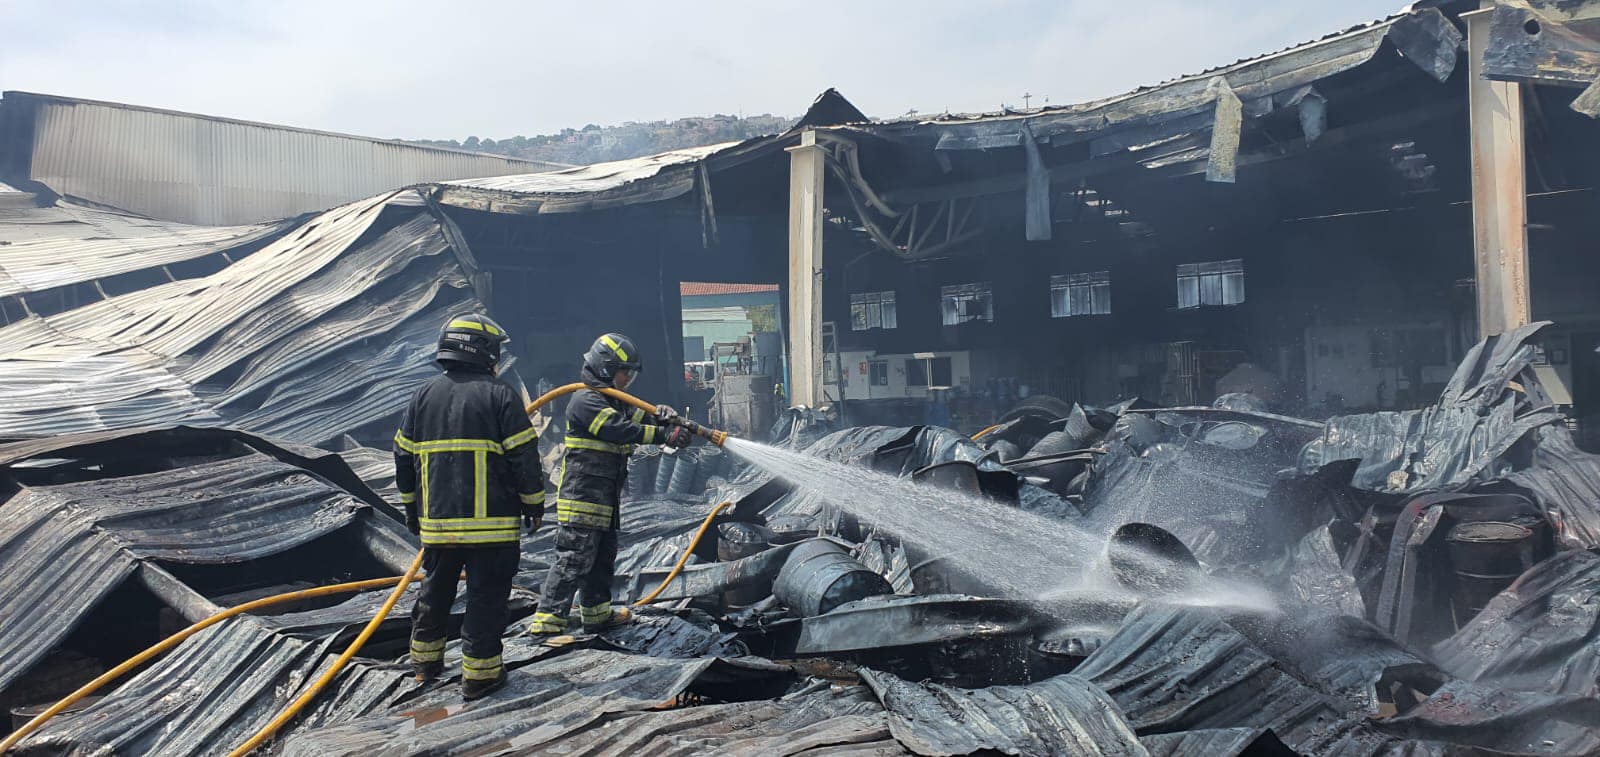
604,618
478,688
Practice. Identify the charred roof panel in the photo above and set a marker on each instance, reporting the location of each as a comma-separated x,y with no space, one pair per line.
309,338
51,247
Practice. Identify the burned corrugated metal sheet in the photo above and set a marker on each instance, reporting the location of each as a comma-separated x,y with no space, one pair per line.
218,171
1484,409
1502,721
547,698
206,697
46,248
1542,634
220,512
1060,715
1565,481
1177,669
1217,742
831,720
68,545
251,344
57,568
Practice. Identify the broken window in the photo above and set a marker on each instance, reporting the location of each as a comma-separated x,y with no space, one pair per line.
961,303
872,310
1080,294
1217,283
878,372
917,371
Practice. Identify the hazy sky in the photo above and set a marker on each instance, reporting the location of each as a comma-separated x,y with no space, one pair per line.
412,69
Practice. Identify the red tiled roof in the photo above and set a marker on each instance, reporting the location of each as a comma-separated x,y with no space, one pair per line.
692,288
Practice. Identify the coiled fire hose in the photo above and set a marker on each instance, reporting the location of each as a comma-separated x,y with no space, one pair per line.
398,582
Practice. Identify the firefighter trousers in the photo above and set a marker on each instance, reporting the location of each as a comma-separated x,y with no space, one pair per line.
490,570
585,562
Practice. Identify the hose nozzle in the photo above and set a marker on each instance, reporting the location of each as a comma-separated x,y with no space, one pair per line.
709,434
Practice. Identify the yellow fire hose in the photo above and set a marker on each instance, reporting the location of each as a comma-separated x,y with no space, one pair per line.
399,582
177,638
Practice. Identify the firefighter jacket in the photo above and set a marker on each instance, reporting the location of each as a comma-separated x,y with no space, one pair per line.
600,436
466,461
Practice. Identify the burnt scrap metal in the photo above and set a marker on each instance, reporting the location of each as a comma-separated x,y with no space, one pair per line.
801,627
369,281
1547,42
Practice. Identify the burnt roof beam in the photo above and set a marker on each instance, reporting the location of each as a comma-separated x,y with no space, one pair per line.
1547,42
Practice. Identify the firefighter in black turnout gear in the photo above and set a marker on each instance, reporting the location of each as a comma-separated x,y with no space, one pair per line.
467,466
600,435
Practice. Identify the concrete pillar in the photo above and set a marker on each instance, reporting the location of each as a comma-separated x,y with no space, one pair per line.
1499,189
805,271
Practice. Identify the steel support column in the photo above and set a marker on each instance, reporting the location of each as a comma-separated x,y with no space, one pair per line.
1499,190
806,166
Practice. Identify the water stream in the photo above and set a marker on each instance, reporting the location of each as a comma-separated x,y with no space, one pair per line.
1019,554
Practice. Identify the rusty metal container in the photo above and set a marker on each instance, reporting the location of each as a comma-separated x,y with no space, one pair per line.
821,575
1486,556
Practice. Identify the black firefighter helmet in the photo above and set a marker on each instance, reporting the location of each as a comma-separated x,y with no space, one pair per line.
473,339
611,353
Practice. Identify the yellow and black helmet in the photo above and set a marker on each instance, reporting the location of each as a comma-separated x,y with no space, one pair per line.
610,353
471,338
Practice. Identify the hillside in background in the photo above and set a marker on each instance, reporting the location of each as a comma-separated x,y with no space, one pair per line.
596,144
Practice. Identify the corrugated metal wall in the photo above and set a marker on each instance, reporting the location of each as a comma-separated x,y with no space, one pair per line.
210,171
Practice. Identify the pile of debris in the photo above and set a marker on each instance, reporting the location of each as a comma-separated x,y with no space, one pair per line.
1431,574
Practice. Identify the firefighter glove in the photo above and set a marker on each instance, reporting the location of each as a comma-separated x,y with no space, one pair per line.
678,437
666,416
531,522
413,525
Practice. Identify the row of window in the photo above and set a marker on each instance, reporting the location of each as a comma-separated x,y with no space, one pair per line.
916,372
1216,283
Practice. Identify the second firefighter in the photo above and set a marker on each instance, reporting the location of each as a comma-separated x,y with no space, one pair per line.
600,435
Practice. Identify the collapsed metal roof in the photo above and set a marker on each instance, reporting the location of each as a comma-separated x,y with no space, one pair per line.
306,339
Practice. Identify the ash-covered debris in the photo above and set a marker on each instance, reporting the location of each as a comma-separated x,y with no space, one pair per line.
1237,582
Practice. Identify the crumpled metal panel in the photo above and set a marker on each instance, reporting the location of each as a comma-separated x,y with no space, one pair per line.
66,546
1217,742
1317,577
64,244
249,345
1565,481
820,720
1182,669
1541,634
205,697
220,512
1061,715
1503,721
547,699
57,567
1491,402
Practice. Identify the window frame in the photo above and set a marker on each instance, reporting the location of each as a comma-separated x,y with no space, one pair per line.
952,297
874,310
1090,290
1216,283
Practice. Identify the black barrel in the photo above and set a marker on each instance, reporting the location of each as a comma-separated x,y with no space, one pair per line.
1149,559
821,575
684,472
1487,557
740,540
664,467
736,541
960,475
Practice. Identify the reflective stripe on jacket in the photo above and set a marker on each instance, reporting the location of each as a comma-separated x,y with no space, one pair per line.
467,461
